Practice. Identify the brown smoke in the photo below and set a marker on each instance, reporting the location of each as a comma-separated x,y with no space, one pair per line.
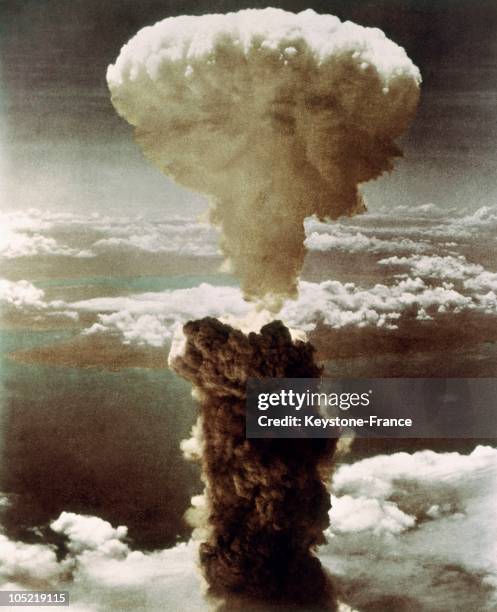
267,498
275,117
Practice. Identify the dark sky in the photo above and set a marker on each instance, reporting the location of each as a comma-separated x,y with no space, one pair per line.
63,145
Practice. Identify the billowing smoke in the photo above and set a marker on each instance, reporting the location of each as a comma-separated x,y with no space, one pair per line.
275,116
267,500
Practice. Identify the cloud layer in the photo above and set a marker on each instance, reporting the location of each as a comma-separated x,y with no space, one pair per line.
34,233
407,532
416,531
153,317
407,279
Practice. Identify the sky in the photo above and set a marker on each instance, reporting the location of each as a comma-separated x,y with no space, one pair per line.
96,281
63,146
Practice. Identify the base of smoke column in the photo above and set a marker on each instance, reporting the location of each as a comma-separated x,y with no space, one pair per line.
267,499
308,588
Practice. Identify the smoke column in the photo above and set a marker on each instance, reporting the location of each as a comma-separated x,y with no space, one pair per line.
267,499
275,116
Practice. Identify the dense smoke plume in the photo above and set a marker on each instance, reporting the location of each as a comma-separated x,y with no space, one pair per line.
267,500
275,116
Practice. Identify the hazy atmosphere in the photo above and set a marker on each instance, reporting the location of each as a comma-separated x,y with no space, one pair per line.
103,258
57,114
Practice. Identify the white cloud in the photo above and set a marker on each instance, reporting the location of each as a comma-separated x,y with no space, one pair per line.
424,224
420,525
22,297
154,243
350,240
474,277
359,514
142,329
90,533
434,266
152,318
422,284
340,304
484,218
21,294
17,244
418,230
30,563
34,233
184,238
101,572
24,234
